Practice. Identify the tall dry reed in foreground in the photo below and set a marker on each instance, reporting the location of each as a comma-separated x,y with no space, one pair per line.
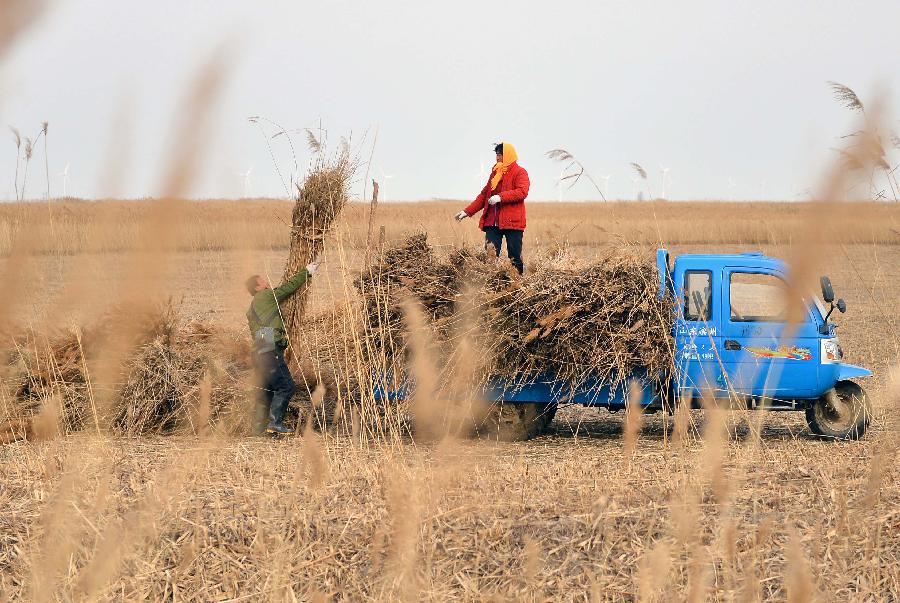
548,521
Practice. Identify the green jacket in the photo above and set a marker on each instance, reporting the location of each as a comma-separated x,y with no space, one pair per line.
264,304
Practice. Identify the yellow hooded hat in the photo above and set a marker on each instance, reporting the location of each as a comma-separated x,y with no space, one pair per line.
509,157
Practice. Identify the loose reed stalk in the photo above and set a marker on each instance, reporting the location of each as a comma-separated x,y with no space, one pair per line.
29,149
17,138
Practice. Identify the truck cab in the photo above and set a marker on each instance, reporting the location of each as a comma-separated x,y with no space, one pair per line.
743,333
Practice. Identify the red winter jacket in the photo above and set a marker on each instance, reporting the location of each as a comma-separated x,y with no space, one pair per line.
513,189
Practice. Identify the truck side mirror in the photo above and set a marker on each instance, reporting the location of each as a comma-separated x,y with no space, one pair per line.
841,305
827,291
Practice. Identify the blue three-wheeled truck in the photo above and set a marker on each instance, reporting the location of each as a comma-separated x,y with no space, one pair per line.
733,343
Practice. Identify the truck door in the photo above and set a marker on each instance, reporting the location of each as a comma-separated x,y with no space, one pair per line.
699,371
764,355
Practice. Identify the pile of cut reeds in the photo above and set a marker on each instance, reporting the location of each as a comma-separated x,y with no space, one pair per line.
410,269
566,322
180,376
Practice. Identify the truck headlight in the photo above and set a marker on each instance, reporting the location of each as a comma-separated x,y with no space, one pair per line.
831,351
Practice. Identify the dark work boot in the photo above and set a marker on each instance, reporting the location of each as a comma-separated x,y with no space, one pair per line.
278,428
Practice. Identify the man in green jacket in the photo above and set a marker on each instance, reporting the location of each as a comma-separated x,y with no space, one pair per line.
269,342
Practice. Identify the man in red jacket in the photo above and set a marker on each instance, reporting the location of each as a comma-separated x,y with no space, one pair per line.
502,204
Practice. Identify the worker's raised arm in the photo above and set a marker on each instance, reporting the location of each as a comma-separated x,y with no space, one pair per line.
290,286
519,191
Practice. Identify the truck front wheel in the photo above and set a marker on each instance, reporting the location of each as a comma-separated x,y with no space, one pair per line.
843,413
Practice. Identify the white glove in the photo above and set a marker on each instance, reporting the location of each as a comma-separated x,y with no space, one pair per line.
494,200
311,268
461,216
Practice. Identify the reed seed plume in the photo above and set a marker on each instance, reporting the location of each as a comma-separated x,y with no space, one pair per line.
847,97
17,137
425,404
633,419
314,457
315,145
800,586
576,167
681,431
640,170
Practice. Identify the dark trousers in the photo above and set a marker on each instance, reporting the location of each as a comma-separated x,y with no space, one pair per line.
276,385
494,236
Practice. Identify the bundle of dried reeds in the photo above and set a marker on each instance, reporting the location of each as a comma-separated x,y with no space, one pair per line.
320,200
567,321
59,364
181,376
183,380
48,367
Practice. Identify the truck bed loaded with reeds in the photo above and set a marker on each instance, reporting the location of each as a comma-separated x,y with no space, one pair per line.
615,330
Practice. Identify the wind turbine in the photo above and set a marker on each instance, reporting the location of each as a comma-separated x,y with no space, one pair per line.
482,175
65,176
605,180
384,179
634,182
665,174
559,185
246,177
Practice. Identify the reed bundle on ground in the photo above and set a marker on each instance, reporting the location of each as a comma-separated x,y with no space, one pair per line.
565,322
181,376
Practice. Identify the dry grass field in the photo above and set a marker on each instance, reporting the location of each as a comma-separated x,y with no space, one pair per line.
698,509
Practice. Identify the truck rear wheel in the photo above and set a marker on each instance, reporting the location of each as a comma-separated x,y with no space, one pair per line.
843,413
547,413
517,421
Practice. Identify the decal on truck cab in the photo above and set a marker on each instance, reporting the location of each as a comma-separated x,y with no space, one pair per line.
783,352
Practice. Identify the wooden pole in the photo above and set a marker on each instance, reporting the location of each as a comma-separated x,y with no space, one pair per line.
372,206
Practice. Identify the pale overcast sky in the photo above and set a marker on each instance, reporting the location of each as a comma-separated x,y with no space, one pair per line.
731,96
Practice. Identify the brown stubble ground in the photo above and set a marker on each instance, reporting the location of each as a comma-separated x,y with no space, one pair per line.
567,516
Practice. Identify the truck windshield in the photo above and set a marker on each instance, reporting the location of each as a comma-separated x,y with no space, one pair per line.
757,297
